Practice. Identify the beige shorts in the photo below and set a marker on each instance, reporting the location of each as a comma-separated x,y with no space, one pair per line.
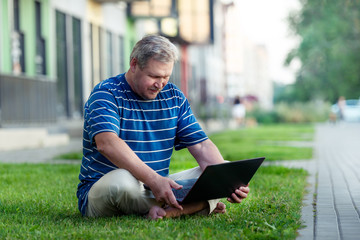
120,193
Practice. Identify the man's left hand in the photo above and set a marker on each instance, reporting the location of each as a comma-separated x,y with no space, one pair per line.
239,194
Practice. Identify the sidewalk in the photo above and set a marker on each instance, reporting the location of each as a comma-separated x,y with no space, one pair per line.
41,155
332,206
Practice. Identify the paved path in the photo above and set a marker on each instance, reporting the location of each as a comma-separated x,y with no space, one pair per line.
40,155
332,206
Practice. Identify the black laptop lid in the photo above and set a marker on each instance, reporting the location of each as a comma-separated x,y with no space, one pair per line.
221,180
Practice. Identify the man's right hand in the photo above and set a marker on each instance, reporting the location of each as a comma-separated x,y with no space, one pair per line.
162,190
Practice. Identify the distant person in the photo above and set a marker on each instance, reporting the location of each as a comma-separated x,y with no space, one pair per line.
132,123
239,111
341,104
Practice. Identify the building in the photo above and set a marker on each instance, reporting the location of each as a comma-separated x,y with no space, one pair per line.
247,67
54,52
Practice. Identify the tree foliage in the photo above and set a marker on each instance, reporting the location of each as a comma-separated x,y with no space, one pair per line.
329,49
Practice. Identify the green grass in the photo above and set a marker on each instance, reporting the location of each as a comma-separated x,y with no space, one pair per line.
38,202
70,156
250,143
261,141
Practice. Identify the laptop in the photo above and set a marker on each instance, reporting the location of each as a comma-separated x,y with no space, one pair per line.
217,181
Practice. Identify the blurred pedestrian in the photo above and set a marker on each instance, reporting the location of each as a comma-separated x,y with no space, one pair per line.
341,104
239,111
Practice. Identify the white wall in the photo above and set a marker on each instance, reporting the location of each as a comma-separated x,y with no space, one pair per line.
74,8
247,63
114,17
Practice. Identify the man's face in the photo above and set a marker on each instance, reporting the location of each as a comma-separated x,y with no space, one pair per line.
148,82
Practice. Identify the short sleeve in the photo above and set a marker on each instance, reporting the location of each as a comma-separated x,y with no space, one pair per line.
189,130
102,114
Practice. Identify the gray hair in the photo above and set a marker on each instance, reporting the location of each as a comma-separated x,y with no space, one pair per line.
154,47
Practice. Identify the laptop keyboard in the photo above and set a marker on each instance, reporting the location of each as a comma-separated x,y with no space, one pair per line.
181,193
187,185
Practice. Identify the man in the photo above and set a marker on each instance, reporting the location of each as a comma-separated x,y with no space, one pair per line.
132,122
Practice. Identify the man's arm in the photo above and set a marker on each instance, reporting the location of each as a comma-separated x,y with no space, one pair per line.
119,153
206,153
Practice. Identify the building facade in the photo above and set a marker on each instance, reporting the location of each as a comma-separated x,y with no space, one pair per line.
53,52
247,67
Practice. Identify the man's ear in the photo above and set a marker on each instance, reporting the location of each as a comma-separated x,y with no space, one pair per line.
133,64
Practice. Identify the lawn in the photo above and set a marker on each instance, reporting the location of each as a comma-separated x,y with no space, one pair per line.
263,141
267,141
38,201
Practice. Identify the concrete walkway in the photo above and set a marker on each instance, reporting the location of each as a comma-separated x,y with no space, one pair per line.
332,206
41,155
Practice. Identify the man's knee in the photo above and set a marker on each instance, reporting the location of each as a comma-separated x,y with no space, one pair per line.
121,181
113,193
124,189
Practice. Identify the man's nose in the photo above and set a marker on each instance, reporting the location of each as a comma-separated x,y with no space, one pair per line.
159,83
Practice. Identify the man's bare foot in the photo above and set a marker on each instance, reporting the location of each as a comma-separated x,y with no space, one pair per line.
171,212
156,212
220,208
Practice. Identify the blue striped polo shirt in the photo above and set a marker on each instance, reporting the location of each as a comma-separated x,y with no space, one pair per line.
151,128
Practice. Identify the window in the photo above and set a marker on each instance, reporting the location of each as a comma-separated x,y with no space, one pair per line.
40,60
61,64
69,66
77,69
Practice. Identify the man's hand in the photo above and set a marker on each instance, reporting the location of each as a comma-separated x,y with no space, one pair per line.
162,190
119,153
239,194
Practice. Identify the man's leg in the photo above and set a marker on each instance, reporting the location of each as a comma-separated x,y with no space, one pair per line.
195,173
116,193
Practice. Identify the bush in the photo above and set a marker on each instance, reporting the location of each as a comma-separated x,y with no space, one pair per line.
263,116
298,112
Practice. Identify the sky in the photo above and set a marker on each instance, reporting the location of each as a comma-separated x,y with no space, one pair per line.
264,22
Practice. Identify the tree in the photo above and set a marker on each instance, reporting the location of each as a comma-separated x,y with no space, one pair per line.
329,50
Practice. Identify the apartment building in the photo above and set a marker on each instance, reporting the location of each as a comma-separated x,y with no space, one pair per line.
54,52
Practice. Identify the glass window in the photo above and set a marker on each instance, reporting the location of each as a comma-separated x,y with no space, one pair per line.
40,60
61,64
77,69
